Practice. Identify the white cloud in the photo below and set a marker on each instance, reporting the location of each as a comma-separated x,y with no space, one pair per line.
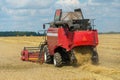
94,3
21,12
116,4
103,1
17,3
67,4
27,12
29,3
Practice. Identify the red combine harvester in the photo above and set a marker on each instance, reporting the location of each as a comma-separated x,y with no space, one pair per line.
68,31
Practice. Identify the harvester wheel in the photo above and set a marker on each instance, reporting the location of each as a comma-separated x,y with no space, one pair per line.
47,57
57,59
73,59
95,58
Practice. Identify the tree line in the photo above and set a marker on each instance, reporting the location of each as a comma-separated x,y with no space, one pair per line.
20,33
109,32
30,33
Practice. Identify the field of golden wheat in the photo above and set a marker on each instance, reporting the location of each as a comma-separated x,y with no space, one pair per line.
12,68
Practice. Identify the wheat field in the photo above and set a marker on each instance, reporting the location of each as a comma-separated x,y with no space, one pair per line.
12,68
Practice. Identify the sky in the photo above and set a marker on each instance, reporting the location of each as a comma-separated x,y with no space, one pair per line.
30,15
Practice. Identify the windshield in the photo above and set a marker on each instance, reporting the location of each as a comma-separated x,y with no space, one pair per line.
71,16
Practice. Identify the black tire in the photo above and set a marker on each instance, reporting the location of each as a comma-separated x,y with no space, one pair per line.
95,58
47,57
57,60
73,59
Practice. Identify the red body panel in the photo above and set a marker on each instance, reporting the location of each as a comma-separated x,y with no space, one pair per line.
52,39
62,37
83,38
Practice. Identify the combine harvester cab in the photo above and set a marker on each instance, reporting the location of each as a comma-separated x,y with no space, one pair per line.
68,38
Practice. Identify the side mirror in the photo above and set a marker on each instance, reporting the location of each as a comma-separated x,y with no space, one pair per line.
43,26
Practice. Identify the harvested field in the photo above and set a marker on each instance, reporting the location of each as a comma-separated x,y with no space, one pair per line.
12,68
